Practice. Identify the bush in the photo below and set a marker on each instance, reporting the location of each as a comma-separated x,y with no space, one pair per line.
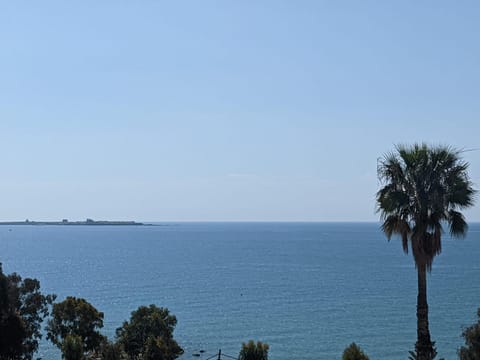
76,317
471,334
150,331
252,351
72,348
113,351
353,352
22,309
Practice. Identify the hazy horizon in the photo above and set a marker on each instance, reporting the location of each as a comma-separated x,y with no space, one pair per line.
174,222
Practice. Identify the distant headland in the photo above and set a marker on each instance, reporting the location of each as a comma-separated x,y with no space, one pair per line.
67,222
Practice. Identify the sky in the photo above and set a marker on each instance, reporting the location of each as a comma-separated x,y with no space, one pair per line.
226,110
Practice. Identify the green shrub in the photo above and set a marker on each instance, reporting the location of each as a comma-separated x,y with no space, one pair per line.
471,334
72,348
149,331
353,352
252,351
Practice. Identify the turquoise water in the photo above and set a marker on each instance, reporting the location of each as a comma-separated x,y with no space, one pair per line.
307,289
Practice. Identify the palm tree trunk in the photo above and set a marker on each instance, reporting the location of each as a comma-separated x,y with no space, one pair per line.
424,346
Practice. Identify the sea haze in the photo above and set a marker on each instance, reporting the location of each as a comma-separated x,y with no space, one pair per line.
307,289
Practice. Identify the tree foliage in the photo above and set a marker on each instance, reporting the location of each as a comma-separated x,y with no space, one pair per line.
254,351
155,349
113,351
423,188
76,317
471,335
72,348
353,352
149,331
22,310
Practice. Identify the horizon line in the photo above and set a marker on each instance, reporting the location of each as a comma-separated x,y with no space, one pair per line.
220,221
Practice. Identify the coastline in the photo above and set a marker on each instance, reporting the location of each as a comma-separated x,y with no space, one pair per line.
87,222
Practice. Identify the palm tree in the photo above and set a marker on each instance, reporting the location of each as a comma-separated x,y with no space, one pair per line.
424,189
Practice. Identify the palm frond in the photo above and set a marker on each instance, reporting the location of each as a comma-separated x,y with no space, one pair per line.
423,187
394,224
458,225
461,194
390,200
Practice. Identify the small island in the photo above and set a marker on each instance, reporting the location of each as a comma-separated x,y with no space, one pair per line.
66,222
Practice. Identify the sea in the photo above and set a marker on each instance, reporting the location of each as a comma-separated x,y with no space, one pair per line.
307,289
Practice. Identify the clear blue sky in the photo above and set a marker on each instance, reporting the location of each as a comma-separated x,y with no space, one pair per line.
226,110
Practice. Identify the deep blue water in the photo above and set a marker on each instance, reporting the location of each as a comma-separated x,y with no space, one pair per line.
307,289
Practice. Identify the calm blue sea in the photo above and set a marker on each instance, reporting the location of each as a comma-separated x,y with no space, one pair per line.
307,289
